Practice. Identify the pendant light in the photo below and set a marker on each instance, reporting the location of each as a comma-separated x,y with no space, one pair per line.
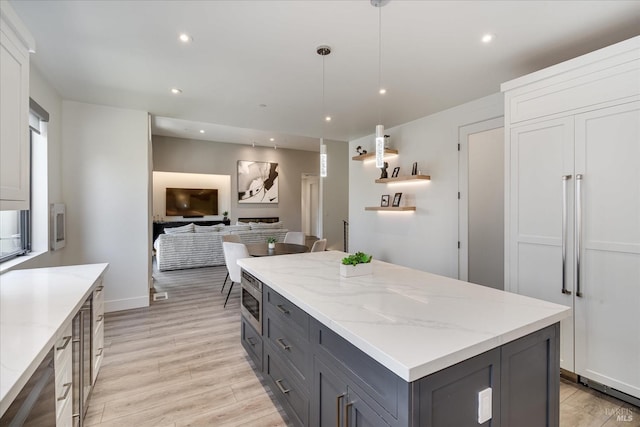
323,51
381,91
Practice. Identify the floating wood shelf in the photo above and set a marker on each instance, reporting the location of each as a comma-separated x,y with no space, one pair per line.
403,178
362,157
390,208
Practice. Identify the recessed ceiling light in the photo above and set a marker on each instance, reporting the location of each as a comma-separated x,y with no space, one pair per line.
185,38
262,105
175,91
328,118
272,139
487,38
383,91
201,130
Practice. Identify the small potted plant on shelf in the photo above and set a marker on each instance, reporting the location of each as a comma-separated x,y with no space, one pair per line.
225,214
358,264
271,241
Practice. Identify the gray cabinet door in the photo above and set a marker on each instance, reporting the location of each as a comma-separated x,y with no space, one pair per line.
328,396
358,414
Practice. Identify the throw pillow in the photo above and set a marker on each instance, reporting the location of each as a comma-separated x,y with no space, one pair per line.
183,229
265,225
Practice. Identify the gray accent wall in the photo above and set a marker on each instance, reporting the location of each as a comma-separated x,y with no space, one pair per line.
207,157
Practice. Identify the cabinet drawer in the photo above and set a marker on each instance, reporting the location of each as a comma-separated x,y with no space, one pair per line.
377,381
287,390
98,351
64,418
290,346
64,384
289,313
252,343
63,346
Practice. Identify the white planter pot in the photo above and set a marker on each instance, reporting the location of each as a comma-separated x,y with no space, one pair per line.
356,270
272,246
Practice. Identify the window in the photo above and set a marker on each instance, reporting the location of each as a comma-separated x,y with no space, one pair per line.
15,226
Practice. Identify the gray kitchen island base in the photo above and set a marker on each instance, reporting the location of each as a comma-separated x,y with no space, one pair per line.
320,379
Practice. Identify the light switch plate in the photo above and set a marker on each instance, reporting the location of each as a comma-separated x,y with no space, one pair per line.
484,405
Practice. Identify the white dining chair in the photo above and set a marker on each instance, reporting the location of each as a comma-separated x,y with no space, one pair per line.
234,238
319,245
296,237
232,253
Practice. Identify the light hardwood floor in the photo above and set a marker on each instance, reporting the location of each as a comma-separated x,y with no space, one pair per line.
180,363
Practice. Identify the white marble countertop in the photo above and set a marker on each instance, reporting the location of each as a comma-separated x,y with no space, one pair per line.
412,322
34,305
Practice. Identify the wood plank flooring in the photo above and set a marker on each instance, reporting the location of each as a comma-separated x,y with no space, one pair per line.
179,362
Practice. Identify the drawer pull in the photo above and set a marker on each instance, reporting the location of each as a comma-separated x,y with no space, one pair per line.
282,309
65,344
99,352
283,345
338,399
347,409
99,289
66,392
251,341
282,389
100,318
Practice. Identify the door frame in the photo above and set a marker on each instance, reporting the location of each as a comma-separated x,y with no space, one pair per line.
463,188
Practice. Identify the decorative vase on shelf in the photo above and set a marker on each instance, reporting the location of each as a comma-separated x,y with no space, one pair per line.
272,245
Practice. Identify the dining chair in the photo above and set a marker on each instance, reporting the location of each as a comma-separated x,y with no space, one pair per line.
296,237
319,245
232,253
233,238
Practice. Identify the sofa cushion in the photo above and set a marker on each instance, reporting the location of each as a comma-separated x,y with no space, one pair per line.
208,228
265,225
189,228
237,228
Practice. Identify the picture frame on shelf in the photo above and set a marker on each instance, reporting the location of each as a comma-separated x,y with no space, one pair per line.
384,202
396,171
396,200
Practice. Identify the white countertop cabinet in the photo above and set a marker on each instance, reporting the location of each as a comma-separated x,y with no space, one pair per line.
573,206
37,307
401,347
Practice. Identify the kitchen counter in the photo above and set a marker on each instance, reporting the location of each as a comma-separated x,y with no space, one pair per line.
383,313
34,305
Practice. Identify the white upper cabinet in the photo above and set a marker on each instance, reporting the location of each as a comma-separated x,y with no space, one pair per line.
15,44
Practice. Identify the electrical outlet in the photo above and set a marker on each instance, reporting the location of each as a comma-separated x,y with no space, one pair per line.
484,405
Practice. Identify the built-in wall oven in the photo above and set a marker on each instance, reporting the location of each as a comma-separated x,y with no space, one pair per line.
251,300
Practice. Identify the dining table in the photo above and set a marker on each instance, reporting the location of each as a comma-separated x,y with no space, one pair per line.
262,249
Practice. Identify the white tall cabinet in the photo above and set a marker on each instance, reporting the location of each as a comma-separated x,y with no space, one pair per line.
572,207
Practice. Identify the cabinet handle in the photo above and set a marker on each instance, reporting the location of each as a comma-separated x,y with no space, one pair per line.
99,352
282,309
564,234
347,410
251,341
99,289
578,231
283,345
338,399
282,389
67,339
100,318
66,391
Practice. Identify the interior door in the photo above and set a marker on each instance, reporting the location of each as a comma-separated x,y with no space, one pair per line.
606,312
540,210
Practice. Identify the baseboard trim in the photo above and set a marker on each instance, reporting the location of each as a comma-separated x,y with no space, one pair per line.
126,304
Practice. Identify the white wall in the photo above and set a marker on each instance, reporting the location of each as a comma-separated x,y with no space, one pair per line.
164,180
426,239
335,194
105,177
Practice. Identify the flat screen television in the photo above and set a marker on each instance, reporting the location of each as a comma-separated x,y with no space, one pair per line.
192,202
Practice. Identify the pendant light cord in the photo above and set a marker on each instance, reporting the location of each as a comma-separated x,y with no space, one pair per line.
379,63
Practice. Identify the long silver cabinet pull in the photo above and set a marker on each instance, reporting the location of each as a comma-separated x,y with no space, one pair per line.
66,392
565,178
578,231
66,343
347,409
282,309
282,389
338,400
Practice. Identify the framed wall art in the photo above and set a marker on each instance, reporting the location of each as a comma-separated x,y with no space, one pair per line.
257,182
384,202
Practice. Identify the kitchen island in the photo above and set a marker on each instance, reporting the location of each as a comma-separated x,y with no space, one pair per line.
401,347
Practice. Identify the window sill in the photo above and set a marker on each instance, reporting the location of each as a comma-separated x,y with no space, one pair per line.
13,263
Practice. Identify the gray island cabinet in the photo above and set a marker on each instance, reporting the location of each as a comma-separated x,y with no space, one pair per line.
381,350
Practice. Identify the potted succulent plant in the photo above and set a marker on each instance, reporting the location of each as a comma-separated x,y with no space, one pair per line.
358,264
224,214
271,241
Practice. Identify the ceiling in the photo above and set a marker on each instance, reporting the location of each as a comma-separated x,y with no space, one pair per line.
251,71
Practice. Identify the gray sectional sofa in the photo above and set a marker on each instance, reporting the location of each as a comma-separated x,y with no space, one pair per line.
194,246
